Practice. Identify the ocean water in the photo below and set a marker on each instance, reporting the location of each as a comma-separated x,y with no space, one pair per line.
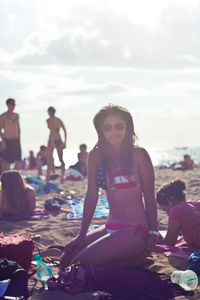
159,156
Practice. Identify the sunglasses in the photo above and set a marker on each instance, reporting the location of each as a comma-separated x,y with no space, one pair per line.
12,103
118,126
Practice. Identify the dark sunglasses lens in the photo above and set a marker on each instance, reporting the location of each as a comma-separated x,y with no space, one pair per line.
119,126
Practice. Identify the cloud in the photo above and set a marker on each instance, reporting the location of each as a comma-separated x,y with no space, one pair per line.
100,89
94,37
5,58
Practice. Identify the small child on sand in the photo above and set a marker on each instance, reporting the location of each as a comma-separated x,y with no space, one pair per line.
183,216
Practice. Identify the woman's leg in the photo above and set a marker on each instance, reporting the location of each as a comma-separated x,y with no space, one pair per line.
114,249
60,156
90,238
49,162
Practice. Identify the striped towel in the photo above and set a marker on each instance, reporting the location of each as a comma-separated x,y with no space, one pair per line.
76,209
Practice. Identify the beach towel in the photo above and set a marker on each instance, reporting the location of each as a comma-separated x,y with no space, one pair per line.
73,174
36,183
40,187
76,209
122,283
137,284
181,249
38,214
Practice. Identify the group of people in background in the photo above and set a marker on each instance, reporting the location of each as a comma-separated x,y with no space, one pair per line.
10,145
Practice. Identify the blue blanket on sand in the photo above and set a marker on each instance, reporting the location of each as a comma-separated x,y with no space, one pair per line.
76,209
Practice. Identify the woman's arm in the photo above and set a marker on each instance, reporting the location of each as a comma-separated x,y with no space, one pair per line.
172,232
148,181
31,199
91,195
65,132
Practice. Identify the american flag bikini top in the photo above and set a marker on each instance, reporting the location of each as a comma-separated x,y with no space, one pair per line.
121,181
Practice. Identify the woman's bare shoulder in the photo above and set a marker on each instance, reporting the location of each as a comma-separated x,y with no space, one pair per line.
140,152
29,189
94,154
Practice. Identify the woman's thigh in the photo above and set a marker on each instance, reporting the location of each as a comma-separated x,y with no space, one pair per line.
90,238
95,235
60,153
118,246
50,150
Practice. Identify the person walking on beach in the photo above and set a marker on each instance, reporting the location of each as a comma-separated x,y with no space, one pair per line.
125,172
55,142
10,135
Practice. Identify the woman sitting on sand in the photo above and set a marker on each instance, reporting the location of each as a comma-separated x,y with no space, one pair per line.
55,141
16,198
183,216
126,173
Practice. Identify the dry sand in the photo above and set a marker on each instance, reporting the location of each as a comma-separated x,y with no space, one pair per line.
59,230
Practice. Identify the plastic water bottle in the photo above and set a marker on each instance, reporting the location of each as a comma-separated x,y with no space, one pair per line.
188,279
43,270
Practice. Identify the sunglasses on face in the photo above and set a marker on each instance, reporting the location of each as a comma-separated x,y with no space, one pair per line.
11,103
118,126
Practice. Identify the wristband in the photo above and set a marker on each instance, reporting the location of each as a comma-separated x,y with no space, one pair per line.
154,232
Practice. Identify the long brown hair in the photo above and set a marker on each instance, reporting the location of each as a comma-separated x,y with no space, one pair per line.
128,144
14,197
172,191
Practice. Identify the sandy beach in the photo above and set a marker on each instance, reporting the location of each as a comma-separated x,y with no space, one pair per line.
57,229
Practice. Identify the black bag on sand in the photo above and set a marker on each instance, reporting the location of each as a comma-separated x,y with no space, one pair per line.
18,285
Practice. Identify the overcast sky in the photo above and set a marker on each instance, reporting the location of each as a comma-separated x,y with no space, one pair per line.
80,55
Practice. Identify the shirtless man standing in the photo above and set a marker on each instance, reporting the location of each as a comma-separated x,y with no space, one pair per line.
10,135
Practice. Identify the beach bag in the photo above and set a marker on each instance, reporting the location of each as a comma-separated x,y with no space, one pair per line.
18,285
17,247
76,278
53,204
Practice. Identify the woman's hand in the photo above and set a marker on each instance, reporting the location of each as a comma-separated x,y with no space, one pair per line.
151,241
64,145
71,250
75,245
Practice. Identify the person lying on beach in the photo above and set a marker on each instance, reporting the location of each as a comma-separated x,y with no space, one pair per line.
183,216
81,165
16,197
126,173
186,164
55,142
